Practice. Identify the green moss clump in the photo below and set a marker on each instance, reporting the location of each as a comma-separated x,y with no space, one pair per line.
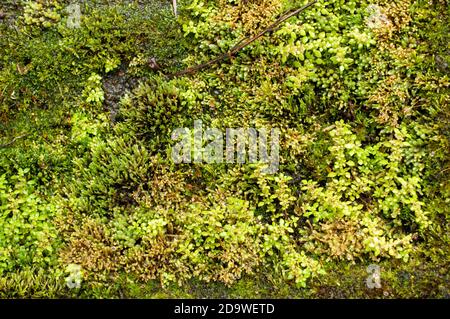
358,89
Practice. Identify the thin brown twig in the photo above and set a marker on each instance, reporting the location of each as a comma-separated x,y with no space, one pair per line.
243,42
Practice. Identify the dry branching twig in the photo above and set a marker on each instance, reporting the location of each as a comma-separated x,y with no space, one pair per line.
243,43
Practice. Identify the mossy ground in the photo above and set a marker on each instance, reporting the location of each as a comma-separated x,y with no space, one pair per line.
85,121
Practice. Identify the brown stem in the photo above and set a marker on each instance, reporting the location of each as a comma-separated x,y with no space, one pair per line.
13,140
